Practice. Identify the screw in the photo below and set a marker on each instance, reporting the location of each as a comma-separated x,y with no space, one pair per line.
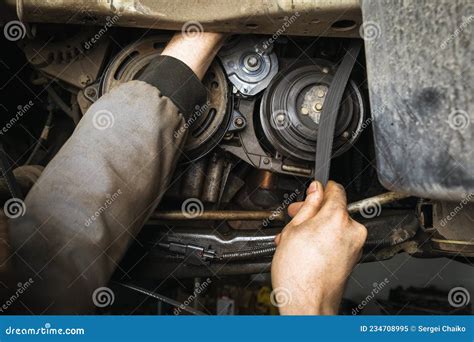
318,106
266,161
304,111
320,93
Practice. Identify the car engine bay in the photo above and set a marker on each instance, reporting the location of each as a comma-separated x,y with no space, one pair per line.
250,150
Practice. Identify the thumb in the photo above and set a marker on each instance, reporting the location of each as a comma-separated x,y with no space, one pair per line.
311,204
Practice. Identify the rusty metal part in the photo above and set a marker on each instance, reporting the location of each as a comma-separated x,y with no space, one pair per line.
266,180
296,169
193,179
276,215
378,200
450,225
454,247
212,183
331,18
221,215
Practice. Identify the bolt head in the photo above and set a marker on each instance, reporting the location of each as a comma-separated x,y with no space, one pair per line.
280,118
318,106
239,122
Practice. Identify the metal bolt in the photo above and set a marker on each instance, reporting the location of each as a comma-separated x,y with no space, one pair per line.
318,106
304,111
266,161
345,135
253,61
90,92
239,122
320,93
280,118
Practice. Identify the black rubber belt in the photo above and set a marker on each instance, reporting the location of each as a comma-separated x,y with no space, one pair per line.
327,121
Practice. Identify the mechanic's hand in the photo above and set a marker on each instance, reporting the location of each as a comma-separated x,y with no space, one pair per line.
316,253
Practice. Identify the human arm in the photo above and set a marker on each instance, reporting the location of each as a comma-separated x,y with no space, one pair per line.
95,195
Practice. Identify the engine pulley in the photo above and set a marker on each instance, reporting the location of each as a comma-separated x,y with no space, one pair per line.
291,107
207,124
249,68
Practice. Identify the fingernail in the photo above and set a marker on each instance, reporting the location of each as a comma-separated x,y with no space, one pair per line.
313,187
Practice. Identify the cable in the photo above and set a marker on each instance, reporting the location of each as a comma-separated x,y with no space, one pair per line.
43,137
248,254
60,103
161,298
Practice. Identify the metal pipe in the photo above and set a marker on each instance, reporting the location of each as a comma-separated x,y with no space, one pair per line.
212,183
230,215
378,200
276,215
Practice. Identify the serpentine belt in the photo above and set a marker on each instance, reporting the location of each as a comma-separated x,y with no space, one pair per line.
327,122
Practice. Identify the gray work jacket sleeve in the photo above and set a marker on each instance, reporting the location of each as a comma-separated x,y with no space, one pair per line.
94,196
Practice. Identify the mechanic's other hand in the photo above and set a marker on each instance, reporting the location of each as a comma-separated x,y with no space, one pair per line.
316,253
